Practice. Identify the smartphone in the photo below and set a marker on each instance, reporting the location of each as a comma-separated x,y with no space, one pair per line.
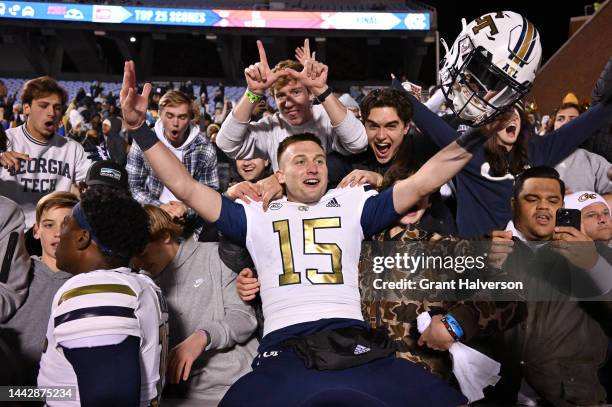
568,217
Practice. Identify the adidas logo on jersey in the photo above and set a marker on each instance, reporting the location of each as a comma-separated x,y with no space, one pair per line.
333,204
360,349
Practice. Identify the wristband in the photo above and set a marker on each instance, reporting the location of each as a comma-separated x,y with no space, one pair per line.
252,96
471,140
452,326
144,137
321,98
207,336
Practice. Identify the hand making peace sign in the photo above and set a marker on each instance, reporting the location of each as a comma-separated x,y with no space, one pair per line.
314,74
259,76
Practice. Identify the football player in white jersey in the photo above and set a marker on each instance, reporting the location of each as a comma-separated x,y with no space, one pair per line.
107,334
306,249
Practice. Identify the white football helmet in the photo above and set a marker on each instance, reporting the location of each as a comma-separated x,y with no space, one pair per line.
491,65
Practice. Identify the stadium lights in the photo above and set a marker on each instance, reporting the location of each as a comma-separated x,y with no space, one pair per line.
132,39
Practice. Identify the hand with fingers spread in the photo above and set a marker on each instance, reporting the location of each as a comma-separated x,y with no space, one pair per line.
501,247
10,160
247,285
270,189
245,190
360,177
302,54
133,106
182,356
313,76
259,76
575,246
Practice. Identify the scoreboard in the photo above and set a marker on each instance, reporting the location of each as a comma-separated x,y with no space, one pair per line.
319,20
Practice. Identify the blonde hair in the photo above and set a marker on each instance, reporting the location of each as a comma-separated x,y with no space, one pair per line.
58,199
285,79
175,98
160,223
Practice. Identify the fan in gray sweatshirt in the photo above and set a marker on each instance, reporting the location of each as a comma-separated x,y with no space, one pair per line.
25,331
201,294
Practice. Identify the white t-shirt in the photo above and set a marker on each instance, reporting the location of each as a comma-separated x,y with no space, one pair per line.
54,165
261,139
119,303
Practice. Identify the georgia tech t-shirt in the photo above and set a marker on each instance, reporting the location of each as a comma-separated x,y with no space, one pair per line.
54,165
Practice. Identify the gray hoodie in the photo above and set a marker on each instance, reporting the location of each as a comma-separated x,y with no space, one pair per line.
25,331
201,294
14,260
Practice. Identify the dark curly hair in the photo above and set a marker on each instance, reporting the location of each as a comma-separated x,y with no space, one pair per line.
387,97
118,221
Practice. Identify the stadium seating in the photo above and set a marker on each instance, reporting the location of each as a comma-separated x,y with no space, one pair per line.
72,87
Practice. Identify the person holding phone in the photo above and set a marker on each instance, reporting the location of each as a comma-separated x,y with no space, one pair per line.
548,350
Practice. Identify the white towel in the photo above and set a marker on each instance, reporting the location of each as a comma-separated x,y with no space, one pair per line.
474,370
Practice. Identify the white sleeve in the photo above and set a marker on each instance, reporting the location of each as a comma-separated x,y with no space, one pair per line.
81,163
349,136
600,167
601,275
245,140
435,101
94,306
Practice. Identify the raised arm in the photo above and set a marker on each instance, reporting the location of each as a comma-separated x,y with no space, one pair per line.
443,166
237,137
204,200
259,77
440,132
556,146
348,130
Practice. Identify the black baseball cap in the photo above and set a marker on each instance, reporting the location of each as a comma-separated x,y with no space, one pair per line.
107,173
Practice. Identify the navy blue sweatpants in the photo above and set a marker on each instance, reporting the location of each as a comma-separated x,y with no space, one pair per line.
280,379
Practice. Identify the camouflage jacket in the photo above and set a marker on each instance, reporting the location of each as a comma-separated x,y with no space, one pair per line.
398,315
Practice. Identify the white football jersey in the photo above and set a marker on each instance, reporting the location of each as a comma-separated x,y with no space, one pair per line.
107,302
307,257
